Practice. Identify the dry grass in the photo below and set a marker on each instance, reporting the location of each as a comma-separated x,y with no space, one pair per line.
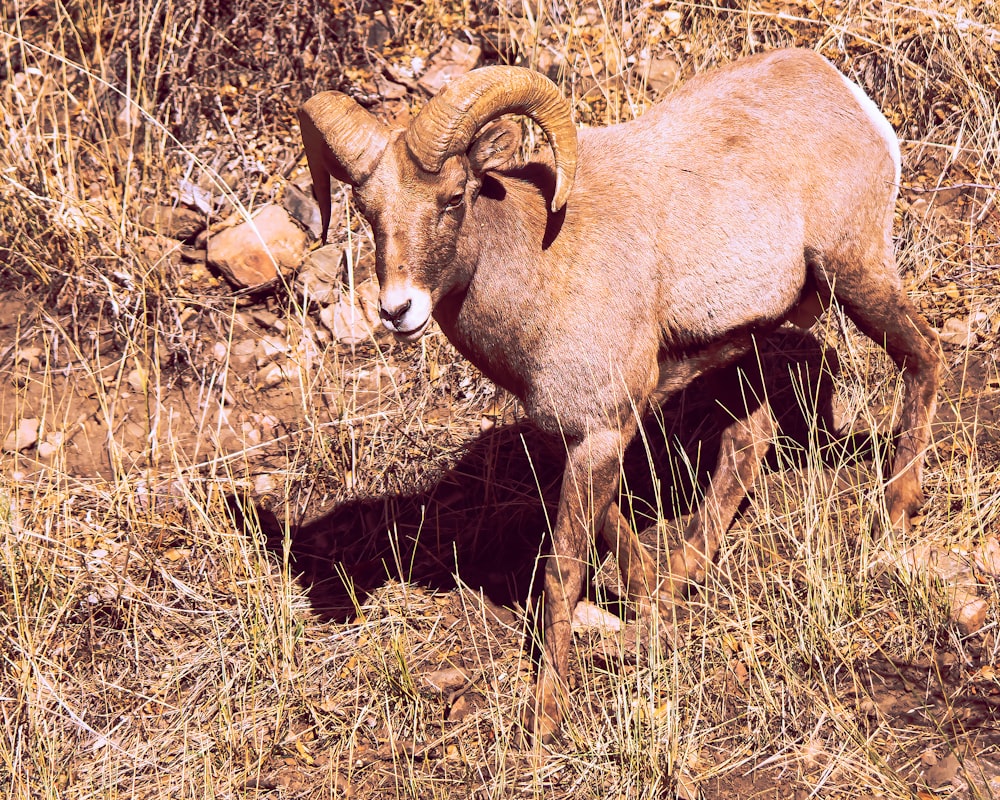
158,643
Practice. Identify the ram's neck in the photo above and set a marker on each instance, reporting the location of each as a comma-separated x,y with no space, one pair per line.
493,320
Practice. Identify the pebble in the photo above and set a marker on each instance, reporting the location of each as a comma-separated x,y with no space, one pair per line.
23,437
347,322
303,208
270,376
270,349
176,222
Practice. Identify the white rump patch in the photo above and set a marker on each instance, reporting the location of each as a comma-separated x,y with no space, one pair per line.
878,120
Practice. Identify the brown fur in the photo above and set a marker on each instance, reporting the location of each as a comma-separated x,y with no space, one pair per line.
748,197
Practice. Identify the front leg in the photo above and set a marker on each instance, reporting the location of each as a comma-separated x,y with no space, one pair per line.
589,483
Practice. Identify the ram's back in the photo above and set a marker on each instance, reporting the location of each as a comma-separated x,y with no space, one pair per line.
715,198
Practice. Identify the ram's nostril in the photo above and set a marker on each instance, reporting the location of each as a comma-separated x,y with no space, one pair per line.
394,314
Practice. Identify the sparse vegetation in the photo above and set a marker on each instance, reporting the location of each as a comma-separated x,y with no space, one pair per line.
212,587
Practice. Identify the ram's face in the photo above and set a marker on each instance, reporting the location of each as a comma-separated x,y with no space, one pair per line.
417,219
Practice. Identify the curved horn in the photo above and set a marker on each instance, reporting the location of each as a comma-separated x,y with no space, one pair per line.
449,121
341,139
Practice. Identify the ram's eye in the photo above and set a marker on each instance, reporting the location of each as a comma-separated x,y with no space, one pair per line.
454,201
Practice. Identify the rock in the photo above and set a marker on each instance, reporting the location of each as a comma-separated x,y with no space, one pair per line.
157,249
968,611
243,355
52,444
303,208
942,771
138,380
264,483
662,74
389,90
367,297
270,376
192,194
175,222
253,253
587,616
986,557
23,437
550,62
319,277
347,322
444,681
268,319
32,356
454,59
958,332
269,349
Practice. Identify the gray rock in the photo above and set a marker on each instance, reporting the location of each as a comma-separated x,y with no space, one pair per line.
175,222
347,322
454,59
23,437
253,254
303,208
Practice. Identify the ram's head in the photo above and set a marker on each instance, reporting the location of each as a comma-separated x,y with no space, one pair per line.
415,186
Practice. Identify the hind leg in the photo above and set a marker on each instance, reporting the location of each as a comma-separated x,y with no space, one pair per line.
880,308
639,574
744,444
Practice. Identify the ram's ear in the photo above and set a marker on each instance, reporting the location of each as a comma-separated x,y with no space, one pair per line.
496,146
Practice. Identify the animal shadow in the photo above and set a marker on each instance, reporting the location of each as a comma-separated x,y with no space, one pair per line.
486,520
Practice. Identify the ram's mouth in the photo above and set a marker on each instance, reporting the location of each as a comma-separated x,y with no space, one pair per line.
413,334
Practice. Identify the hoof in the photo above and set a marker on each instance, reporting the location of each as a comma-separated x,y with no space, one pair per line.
543,718
537,729
687,565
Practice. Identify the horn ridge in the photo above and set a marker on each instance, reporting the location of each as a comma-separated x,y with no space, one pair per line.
448,123
342,140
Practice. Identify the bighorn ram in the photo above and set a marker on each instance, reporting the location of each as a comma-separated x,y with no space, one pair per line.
596,284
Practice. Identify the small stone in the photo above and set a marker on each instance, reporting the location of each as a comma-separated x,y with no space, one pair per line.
986,557
23,437
304,209
347,322
29,355
445,680
587,616
313,289
319,277
176,222
264,483
968,611
268,319
250,434
242,355
269,349
52,444
253,253
46,451
958,332
367,295
138,379
661,74
271,376
942,772
454,59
